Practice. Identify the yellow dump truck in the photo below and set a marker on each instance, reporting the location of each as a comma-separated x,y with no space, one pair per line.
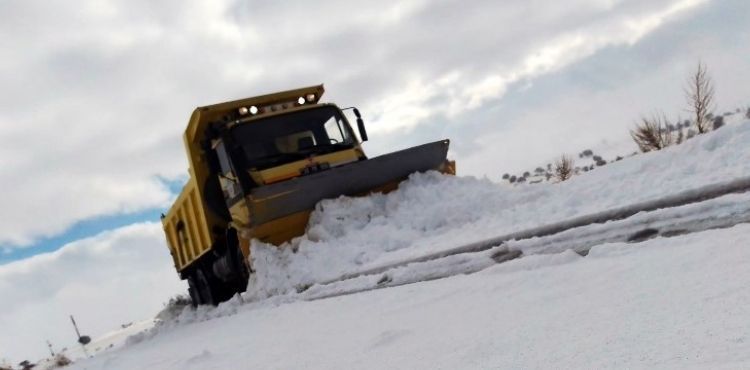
258,166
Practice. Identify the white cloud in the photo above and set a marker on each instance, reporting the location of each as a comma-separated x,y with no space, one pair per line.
111,279
96,96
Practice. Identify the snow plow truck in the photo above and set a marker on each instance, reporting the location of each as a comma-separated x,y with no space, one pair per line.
258,166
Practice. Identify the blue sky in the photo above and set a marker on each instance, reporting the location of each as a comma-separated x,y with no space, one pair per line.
88,228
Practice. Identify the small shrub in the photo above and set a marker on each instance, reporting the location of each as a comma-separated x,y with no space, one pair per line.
506,176
61,360
718,122
512,179
652,133
747,114
564,168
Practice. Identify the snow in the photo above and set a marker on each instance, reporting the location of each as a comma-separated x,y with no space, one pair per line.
432,212
678,302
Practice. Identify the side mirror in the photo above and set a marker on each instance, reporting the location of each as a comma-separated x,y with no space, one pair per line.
360,125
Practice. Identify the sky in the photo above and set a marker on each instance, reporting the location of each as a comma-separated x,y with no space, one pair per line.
94,99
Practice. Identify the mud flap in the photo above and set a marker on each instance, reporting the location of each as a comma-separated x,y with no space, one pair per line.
270,202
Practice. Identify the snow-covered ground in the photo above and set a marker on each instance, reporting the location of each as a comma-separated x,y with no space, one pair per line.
668,302
680,302
431,212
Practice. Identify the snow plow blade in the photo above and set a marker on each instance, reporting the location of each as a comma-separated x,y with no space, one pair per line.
383,173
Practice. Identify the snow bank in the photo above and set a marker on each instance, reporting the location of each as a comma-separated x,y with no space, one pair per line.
430,212
680,302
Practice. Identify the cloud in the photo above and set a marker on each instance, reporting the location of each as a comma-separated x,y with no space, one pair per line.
104,281
95,97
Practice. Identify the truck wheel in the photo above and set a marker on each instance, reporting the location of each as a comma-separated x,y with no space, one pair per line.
206,290
193,291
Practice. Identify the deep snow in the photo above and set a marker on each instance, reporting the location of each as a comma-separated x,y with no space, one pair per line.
431,212
680,302
675,302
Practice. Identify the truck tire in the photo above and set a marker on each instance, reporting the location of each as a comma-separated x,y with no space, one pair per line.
206,290
193,291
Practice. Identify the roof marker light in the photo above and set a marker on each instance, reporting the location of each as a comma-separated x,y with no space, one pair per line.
242,111
253,110
310,97
301,100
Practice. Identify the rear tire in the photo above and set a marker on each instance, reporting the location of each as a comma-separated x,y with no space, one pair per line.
206,290
193,291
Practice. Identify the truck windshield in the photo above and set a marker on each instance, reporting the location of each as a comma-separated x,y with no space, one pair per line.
289,137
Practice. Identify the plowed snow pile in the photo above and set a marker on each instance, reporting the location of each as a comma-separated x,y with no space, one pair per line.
430,212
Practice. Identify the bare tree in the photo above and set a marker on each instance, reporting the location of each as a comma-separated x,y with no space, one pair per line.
564,167
652,133
700,96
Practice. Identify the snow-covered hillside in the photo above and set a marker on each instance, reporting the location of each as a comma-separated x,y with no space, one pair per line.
667,302
431,212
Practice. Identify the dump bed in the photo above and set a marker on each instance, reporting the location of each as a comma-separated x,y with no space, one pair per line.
187,228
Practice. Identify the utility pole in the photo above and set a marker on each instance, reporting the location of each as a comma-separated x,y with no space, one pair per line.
83,339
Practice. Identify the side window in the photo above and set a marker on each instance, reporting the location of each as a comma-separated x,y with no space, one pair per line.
335,131
223,159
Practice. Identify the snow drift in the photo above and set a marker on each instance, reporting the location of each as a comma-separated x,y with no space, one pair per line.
430,212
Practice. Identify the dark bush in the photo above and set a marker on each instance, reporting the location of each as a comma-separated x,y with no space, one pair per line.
718,122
